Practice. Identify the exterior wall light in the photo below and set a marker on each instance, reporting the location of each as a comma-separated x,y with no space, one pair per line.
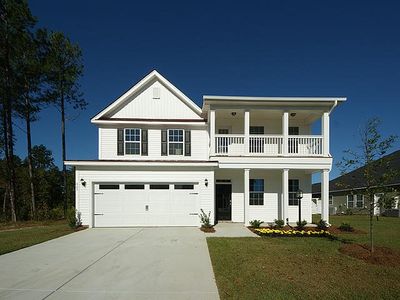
83,182
206,182
293,114
233,113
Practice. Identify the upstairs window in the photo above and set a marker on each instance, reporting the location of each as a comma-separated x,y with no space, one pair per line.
175,141
132,141
256,191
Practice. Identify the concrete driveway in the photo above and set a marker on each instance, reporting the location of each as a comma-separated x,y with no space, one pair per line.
123,263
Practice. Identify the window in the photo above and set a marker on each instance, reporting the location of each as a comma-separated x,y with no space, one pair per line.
159,186
359,201
223,131
184,186
109,186
330,200
256,191
293,131
350,201
132,141
293,188
175,141
134,186
256,129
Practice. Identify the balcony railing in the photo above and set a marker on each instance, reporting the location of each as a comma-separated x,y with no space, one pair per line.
268,145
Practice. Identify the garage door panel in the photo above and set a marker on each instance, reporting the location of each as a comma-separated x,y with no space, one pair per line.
150,205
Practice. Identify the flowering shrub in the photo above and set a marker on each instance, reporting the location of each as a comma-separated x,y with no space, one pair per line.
285,233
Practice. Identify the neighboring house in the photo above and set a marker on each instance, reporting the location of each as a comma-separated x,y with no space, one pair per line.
162,158
347,191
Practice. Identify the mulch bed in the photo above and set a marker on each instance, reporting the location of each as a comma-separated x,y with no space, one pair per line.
81,228
381,256
336,230
207,229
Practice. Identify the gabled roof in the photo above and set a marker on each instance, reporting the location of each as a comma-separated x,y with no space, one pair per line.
153,75
354,179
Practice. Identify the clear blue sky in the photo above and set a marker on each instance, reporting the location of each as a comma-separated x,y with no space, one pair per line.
260,48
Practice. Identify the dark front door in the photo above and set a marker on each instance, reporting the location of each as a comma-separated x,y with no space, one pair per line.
223,196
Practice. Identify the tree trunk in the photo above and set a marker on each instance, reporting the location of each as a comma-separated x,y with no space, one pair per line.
30,167
63,153
5,201
371,219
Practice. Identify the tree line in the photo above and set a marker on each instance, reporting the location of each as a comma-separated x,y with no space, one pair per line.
39,68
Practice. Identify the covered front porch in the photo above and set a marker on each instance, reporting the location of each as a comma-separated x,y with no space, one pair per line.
242,195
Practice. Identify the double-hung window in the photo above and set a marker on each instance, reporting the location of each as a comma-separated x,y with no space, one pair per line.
359,201
350,201
132,141
293,188
256,191
175,141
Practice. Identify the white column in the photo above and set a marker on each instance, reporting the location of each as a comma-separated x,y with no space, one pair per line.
246,177
246,131
285,194
325,195
325,133
285,132
212,131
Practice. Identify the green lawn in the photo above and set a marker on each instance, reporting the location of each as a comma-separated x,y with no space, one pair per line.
14,237
302,268
387,229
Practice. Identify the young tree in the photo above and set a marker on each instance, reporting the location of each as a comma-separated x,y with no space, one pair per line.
64,71
16,22
376,170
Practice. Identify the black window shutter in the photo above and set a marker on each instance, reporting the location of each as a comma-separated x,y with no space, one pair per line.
144,142
164,143
188,146
120,141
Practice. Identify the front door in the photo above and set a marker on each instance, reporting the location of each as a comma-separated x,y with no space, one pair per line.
223,194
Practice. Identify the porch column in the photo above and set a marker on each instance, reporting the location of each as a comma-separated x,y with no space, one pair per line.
246,132
212,131
246,185
285,132
325,195
325,133
285,194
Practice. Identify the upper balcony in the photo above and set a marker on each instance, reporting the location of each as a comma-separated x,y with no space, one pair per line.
268,127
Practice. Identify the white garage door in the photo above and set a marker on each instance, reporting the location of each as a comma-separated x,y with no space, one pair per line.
145,204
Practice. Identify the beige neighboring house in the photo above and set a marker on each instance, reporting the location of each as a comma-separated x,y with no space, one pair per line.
346,192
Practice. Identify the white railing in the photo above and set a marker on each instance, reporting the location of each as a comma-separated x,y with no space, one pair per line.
268,145
305,145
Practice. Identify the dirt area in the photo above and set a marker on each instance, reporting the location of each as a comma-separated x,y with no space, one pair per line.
335,230
381,256
207,229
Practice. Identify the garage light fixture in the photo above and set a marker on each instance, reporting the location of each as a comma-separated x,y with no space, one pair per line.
83,182
206,182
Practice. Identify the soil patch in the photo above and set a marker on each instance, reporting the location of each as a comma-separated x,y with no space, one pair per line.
381,256
336,230
207,229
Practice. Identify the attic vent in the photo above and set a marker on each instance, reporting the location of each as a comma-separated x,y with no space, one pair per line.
156,93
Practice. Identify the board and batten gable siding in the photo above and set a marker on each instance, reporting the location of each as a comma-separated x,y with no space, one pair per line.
108,143
84,194
145,106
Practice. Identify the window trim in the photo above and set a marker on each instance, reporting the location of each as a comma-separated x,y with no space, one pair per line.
256,192
134,142
347,201
183,142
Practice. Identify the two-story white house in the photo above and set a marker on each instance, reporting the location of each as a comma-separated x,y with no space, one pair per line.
162,158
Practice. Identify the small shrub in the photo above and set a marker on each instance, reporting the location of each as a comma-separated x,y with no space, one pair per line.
279,223
348,212
56,213
322,225
205,219
301,224
74,218
346,227
256,223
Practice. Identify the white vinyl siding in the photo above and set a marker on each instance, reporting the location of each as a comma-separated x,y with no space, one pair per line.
108,144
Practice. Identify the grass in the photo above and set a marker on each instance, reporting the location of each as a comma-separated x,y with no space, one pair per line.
294,268
386,230
25,234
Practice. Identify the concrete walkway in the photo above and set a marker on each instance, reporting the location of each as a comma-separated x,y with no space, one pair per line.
123,263
227,229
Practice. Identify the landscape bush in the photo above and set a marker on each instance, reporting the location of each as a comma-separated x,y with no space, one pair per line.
346,227
301,224
205,219
322,225
256,223
279,223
